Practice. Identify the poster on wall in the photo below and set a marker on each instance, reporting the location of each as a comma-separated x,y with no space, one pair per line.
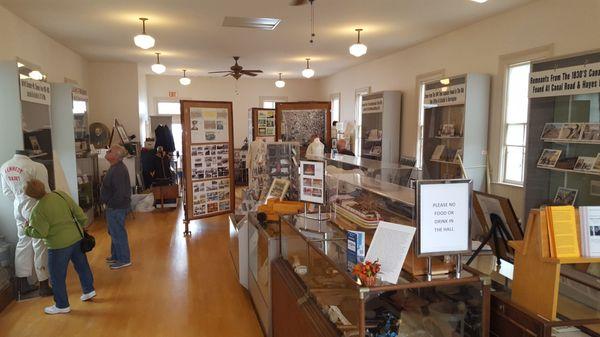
302,125
312,176
35,91
443,217
209,125
266,123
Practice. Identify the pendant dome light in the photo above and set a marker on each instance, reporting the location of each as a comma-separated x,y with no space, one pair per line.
358,49
308,73
144,40
157,67
185,80
280,83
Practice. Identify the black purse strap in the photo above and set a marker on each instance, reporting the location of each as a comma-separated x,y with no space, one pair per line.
72,215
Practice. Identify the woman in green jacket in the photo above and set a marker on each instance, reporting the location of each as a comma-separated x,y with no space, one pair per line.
52,220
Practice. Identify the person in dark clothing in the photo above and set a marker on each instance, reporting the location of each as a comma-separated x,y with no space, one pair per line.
116,194
341,148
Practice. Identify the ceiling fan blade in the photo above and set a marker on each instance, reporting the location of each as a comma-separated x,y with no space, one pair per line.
247,73
230,74
217,72
253,71
298,2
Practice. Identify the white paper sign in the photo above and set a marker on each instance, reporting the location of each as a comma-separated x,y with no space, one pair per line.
312,174
448,95
35,91
390,245
576,80
444,218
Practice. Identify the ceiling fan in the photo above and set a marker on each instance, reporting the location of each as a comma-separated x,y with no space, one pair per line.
237,70
298,2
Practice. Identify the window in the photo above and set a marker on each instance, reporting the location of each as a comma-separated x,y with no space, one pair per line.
168,108
358,95
516,104
335,107
419,156
268,102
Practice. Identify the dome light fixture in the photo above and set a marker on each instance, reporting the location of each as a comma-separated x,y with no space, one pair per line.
36,75
445,81
280,83
185,80
358,49
157,67
144,40
308,73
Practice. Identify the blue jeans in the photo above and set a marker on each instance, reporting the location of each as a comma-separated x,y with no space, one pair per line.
119,245
58,261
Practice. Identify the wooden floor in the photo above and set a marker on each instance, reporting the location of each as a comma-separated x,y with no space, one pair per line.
176,287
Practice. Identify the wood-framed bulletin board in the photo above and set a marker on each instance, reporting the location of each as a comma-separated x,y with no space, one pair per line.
299,121
207,159
264,124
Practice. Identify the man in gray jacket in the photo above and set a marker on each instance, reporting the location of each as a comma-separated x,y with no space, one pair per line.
116,194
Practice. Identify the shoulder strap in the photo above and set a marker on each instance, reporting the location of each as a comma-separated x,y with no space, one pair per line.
70,211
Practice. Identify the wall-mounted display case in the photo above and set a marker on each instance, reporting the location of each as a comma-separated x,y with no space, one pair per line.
563,135
381,119
455,128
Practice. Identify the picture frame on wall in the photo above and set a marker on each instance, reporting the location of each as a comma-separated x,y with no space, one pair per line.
565,196
301,121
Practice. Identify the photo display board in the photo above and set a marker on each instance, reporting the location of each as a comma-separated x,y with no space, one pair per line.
208,158
312,181
263,124
300,121
443,217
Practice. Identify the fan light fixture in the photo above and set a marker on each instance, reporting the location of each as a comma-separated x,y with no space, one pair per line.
157,67
36,75
358,49
144,40
308,73
185,80
280,83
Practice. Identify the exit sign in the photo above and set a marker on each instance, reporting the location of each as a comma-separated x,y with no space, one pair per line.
172,94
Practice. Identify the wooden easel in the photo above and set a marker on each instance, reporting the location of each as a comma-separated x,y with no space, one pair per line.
536,274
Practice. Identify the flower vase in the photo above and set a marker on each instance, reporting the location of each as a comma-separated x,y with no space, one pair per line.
368,281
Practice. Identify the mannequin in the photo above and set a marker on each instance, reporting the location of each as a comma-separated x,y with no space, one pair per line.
316,148
29,252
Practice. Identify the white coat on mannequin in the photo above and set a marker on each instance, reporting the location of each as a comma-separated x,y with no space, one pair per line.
29,252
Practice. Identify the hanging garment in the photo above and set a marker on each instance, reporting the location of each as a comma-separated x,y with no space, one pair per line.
164,138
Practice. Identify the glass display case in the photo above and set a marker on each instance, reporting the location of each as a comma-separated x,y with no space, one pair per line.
270,160
447,305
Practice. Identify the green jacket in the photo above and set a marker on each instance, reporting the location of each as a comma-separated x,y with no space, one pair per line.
51,220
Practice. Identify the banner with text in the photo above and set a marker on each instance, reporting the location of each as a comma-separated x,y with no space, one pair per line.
448,95
35,91
575,80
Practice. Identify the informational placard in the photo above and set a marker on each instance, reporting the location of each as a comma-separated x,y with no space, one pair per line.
443,217
445,95
35,91
266,123
80,94
312,185
390,246
573,80
209,125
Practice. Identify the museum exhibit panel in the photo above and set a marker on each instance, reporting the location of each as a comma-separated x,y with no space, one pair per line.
303,121
264,124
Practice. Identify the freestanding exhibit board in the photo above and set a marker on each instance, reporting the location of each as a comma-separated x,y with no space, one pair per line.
207,159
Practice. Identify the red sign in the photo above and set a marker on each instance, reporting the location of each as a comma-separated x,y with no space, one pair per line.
172,94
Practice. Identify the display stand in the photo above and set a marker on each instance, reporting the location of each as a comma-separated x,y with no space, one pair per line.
381,120
207,159
300,121
264,124
536,275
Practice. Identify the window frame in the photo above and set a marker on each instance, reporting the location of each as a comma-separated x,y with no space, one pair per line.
336,96
358,93
420,82
274,99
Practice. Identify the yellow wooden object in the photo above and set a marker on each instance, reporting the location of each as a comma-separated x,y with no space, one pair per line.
536,274
275,208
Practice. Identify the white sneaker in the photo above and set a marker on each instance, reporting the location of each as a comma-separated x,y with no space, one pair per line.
53,310
88,296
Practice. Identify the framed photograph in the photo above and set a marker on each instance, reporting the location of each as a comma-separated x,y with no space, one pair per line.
301,121
591,132
549,158
278,188
571,131
263,123
312,177
35,145
121,131
596,167
595,188
551,131
565,196
584,163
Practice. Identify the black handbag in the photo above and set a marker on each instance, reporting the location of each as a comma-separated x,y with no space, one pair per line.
88,242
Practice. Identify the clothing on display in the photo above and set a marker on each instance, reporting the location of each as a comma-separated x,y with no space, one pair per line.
316,148
29,252
164,138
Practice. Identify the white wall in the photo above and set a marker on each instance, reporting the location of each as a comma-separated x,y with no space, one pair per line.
569,26
244,94
21,40
113,92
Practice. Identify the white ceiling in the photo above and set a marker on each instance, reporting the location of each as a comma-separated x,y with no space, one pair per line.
190,35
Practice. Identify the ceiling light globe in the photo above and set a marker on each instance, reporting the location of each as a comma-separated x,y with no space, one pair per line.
280,83
36,75
185,81
144,41
158,68
358,49
308,73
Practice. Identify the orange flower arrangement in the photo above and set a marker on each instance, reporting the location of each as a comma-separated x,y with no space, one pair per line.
366,271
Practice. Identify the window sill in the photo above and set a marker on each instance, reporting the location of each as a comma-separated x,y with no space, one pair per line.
508,184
